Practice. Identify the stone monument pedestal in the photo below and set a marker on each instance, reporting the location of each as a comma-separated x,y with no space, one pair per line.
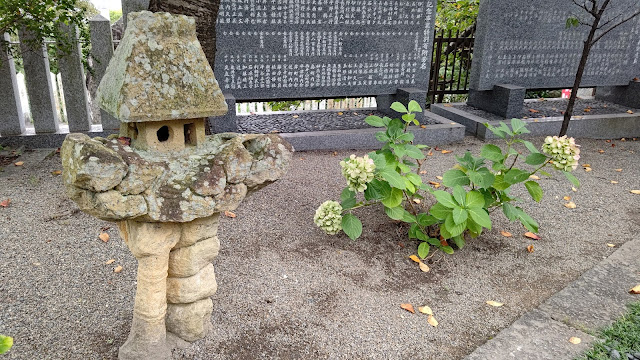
403,95
628,95
227,122
504,100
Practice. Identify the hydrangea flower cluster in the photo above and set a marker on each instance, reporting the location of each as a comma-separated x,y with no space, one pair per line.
563,151
328,217
358,171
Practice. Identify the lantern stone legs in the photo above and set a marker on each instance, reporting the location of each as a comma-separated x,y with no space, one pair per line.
174,282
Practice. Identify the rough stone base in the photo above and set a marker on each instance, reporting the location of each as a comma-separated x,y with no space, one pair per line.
190,321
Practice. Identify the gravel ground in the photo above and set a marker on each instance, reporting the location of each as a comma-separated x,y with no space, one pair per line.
285,289
554,108
307,121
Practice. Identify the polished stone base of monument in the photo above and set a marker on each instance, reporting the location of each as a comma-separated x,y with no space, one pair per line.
625,95
504,100
599,126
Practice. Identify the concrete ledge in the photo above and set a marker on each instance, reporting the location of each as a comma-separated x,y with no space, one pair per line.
443,133
535,336
592,302
609,126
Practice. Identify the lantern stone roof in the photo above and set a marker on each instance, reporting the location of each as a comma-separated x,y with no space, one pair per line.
159,72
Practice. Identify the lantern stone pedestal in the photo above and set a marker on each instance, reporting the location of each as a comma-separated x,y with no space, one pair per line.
162,180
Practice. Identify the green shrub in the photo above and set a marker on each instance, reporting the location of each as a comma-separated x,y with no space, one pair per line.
476,185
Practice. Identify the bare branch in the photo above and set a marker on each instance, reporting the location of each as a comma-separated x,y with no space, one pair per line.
603,8
604,24
583,6
615,26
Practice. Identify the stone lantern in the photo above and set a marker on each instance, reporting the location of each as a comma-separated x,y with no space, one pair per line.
162,180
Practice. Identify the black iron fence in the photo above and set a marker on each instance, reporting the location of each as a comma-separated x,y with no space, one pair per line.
451,63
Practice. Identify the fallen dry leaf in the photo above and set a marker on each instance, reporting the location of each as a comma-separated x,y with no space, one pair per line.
5,203
415,258
635,290
447,151
432,321
19,163
570,205
417,201
534,111
575,340
124,140
567,198
408,307
443,242
587,110
439,177
425,310
531,235
56,172
601,151
448,105
534,177
423,172
494,303
573,188
530,248
435,184
340,113
611,245
430,153
117,269
296,116
229,214
629,112
423,126
506,233
623,139
618,170
110,261
104,237
586,165
335,153
424,267
587,169
614,182
637,192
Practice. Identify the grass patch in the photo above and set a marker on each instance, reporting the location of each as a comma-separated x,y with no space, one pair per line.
623,336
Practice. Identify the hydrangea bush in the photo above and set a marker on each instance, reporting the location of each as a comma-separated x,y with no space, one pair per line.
474,186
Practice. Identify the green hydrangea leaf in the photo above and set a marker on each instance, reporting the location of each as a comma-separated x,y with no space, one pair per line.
536,159
455,177
481,217
459,195
396,213
474,199
397,106
572,178
413,152
426,220
6,342
515,176
459,241
439,211
460,215
396,180
394,199
510,211
454,228
377,190
375,121
351,226
492,153
534,190
414,107
445,198
423,249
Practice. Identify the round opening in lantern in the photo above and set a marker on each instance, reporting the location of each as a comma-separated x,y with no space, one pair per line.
163,133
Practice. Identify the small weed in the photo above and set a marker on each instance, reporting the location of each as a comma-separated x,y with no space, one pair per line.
33,180
623,336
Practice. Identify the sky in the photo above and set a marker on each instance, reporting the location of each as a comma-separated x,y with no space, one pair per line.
105,5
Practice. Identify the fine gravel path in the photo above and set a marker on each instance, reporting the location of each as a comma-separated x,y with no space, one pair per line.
288,291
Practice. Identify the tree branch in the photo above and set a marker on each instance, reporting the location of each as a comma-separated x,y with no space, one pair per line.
615,26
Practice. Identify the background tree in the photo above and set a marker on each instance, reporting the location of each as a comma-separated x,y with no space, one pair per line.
599,26
42,19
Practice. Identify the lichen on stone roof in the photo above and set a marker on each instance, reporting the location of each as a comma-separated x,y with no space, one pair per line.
159,72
